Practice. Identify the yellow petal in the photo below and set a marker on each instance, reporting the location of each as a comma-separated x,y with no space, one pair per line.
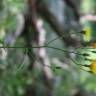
93,67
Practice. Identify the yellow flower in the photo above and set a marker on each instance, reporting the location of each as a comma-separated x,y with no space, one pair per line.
87,36
94,45
93,67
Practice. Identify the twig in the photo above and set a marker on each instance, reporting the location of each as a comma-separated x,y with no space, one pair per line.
62,50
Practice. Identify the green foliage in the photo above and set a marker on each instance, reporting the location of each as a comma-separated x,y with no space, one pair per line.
15,77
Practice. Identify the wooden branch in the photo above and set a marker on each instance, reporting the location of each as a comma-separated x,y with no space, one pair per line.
37,26
44,58
56,25
29,39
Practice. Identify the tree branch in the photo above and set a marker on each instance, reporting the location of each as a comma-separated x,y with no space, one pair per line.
56,25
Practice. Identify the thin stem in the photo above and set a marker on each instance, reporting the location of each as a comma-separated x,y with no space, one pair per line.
41,47
53,40
56,39
80,65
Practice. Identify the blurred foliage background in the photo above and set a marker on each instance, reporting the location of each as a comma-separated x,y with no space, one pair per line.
30,71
